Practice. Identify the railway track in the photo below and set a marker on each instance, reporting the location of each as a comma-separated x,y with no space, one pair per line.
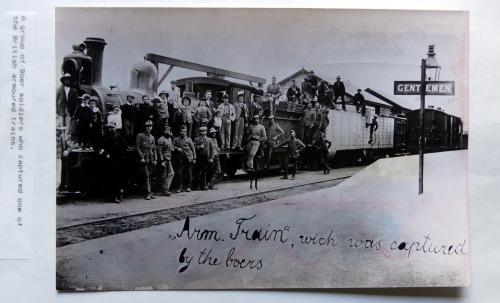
72,234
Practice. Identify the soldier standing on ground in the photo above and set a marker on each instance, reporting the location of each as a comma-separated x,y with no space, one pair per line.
164,148
294,147
114,147
214,168
256,136
322,145
146,150
273,132
205,157
185,146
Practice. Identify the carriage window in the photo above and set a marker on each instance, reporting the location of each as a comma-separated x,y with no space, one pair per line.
377,110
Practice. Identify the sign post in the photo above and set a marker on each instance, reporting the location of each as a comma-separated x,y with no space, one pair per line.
421,138
423,88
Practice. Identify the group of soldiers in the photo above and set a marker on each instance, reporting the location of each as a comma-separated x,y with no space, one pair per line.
157,128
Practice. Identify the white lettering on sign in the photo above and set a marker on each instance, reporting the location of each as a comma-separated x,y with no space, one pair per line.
431,88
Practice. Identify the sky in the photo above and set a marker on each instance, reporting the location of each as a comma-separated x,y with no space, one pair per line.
369,48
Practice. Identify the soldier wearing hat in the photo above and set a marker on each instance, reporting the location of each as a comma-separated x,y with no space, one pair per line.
360,102
204,156
308,122
128,114
294,147
187,157
322,145
146,111
256,136
202,116
96,121
228,115
82,117
214,168
293,92
66,101
310,85
273,89
163,109
157,125
338,91
146,150
273,132
187,115
114,150
240,118
165,147
174,106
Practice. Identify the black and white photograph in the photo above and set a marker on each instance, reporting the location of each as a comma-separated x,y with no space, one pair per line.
261,148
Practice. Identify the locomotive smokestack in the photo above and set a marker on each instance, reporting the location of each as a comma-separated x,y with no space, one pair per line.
95,49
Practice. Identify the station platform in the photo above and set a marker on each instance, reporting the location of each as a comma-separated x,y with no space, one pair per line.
89,210
380,203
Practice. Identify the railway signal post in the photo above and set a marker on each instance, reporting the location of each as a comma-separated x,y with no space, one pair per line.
429,86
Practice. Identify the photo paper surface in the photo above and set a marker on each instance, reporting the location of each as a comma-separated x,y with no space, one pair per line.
217,148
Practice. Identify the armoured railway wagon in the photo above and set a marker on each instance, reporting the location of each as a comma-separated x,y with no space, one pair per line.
348,130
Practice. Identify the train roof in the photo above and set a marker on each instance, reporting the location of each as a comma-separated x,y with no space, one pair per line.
417,111
352,89
217,81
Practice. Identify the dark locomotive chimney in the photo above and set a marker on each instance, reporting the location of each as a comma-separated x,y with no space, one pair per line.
95,49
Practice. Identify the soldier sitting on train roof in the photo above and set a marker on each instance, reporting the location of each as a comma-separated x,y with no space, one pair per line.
294,147
146,150
310,86
293,92
360,102
273,89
